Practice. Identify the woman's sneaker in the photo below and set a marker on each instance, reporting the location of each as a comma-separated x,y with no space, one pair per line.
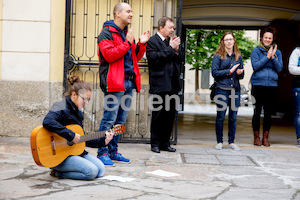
234,147
219,146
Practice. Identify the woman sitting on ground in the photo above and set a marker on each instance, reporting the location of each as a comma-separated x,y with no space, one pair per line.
85,166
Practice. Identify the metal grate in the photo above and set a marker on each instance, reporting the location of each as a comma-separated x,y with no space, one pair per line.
84,20
212,159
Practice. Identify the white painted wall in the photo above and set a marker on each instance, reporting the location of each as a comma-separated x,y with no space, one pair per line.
26,40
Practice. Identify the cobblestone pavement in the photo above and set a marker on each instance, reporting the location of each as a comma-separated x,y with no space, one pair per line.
196,170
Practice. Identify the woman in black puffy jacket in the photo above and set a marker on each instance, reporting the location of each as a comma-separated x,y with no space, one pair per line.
85,166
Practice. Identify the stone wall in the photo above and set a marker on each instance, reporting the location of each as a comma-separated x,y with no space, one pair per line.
24,105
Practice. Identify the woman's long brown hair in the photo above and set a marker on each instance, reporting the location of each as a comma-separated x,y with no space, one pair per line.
221,49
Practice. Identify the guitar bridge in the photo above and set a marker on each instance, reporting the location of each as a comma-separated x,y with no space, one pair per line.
53,146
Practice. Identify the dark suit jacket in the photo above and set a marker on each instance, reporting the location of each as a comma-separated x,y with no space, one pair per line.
164,64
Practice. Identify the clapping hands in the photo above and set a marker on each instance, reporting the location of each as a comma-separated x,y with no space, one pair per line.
238,71
145,37
129,35
271,52
175,42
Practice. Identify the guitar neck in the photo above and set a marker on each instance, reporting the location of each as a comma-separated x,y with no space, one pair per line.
92,136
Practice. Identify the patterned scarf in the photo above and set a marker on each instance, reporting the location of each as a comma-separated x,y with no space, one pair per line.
265,47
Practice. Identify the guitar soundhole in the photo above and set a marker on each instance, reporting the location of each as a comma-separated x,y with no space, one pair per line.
70,143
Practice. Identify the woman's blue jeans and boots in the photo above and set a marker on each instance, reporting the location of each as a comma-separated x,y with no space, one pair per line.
116,108
224,100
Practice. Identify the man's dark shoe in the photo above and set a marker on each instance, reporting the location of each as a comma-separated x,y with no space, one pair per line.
298,142
170,149
155,149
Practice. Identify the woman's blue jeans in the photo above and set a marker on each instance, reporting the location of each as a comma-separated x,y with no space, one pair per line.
225,99
296,96
116,108
87,167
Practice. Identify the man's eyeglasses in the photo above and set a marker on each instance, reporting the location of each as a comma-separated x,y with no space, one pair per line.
86,100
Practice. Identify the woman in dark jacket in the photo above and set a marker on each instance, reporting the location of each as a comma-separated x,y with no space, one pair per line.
266,61
85,166
227,69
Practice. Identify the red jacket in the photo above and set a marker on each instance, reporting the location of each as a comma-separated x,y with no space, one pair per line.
111,54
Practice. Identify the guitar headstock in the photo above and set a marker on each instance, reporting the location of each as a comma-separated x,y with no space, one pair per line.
118,129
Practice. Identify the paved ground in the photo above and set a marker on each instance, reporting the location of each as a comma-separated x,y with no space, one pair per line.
195,171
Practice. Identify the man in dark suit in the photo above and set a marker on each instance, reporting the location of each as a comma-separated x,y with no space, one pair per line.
164,61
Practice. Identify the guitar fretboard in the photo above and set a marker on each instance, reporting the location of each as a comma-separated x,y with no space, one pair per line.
91,136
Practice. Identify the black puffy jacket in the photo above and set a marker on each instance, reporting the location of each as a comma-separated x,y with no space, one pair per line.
65,113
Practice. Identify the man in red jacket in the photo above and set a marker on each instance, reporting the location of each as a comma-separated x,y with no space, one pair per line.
119,74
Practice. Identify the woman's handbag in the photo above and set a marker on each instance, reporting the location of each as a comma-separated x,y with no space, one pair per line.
213,88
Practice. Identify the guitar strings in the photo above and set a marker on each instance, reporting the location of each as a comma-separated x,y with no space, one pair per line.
86,137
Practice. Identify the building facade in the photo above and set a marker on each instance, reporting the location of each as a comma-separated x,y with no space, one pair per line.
33,56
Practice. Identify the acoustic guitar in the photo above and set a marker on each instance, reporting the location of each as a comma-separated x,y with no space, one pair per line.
49,149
